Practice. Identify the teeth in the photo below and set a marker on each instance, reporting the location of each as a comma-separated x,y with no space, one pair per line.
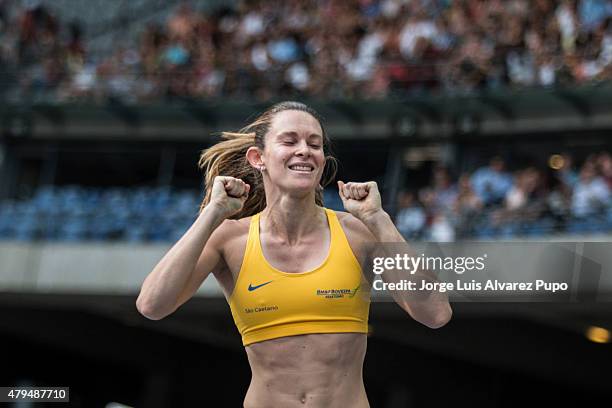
300,168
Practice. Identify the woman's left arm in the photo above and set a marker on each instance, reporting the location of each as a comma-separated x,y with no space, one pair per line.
430,307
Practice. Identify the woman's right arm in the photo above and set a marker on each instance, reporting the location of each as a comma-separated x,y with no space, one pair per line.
163,290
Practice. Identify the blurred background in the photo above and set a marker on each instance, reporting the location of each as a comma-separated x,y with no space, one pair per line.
479,119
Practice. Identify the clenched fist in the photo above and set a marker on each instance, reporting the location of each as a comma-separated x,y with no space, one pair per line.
360,199
228,195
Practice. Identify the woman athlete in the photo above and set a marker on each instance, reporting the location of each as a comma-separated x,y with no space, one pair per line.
288,267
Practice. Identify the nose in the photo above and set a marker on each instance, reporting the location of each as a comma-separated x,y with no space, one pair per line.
303,149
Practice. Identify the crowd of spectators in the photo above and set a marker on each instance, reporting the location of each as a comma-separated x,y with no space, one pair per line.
492,202
321,48
487,203
333,49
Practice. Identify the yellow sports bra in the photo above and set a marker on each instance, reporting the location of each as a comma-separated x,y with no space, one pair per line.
333,298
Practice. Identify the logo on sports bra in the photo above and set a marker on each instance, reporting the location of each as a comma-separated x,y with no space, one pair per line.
337,293
252,288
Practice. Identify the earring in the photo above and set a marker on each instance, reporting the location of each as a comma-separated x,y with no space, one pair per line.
262,168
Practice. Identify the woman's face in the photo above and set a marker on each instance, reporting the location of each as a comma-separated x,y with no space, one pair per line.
293,153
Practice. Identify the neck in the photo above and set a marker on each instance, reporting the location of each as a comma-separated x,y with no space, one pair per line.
291,218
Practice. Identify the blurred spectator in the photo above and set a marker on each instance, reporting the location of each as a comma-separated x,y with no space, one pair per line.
466,207
525,183
417,33
441,230
410,218
559,200
566,172
592,12
604,165
491,183
444,191
522,203
591,193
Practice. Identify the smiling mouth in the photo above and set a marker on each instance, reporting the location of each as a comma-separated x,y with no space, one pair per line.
302,168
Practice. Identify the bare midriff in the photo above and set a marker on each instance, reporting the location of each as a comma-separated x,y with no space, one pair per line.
311,370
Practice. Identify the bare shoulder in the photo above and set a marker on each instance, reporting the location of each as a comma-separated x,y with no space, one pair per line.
229,231
354,228
230,239
231,227
359,238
